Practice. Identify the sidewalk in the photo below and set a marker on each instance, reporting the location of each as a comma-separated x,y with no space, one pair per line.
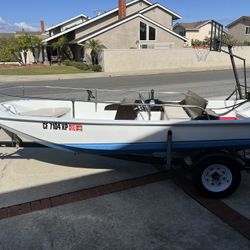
32,78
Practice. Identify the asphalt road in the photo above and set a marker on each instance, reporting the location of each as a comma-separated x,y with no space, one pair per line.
206,83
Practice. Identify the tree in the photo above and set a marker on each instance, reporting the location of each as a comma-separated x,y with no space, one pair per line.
228,39
5,50
16,50
62,46
36,47
96,47
22,44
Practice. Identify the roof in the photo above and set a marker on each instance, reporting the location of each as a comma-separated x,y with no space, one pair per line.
67,21
174,15
194,25
241,19
120,22
93,20
151,5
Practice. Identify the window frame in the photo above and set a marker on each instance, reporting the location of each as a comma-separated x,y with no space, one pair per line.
247,30
182,33
147,32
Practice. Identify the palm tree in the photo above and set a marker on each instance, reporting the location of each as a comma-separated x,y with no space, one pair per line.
62,46
96,47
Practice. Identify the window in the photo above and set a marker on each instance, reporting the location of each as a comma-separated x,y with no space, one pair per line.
182,33
247,30
147,32
151,33
143,31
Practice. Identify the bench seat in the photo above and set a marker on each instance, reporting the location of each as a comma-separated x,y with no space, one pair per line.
174,112
47,112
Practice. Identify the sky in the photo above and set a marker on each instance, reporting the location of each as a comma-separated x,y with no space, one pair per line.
16,15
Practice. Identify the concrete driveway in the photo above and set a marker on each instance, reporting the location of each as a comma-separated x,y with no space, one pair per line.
159,215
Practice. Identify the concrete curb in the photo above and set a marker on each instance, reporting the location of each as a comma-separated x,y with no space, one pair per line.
33,78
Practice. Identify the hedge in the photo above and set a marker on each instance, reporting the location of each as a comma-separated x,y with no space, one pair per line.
83,66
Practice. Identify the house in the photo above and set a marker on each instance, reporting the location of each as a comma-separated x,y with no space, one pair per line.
136,24
72,22
194,31
240,29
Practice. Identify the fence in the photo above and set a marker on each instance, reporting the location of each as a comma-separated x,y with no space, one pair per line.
167,60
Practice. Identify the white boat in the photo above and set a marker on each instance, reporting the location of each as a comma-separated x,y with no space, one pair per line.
211,133
138,126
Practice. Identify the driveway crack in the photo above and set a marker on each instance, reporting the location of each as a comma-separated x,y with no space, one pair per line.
3,171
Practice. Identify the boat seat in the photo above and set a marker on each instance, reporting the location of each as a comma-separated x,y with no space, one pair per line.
194,100
174,112
126,112
47,112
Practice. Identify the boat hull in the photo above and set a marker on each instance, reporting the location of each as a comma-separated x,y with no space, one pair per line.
109,137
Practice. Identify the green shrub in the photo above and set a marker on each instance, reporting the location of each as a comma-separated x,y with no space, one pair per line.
78,65
246,43
6,55
96,68
198,43
83,66
67,63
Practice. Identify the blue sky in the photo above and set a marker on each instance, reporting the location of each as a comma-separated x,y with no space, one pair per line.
18,14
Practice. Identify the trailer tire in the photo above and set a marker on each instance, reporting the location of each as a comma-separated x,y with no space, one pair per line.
217,177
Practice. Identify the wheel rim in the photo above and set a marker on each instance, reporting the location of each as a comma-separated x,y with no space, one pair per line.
217,178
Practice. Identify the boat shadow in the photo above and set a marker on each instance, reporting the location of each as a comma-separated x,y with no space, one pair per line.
30,174
79,160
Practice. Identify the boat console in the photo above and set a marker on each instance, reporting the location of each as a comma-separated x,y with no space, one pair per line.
192,107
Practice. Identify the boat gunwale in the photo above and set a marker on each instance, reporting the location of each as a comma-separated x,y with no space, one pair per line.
106,122
170,122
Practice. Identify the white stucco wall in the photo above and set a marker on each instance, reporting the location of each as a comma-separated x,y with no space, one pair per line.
127,35
166,60
160,16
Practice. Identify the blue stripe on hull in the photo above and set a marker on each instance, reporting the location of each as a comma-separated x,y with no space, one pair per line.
158,146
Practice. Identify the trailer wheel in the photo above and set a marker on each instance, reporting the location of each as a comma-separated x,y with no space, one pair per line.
217,177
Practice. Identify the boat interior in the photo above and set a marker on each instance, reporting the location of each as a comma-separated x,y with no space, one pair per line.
192,107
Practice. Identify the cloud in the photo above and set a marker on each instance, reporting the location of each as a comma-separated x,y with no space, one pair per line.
3,24
24,26
19,26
